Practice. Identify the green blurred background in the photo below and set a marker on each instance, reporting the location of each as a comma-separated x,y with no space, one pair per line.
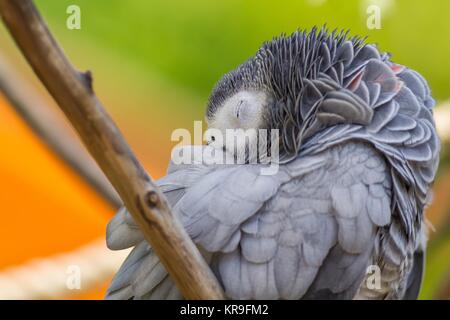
155,62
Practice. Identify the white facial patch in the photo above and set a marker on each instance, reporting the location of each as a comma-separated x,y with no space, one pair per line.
244,110
235,124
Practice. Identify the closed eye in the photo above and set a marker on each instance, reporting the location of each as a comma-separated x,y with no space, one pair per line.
243,110
238,108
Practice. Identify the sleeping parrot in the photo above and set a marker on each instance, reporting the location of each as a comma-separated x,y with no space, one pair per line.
358,153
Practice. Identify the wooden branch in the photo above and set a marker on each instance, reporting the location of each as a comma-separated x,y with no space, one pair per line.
73,92
48,127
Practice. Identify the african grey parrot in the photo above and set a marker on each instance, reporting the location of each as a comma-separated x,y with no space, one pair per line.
358,153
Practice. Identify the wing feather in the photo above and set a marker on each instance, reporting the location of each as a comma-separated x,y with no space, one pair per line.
275,237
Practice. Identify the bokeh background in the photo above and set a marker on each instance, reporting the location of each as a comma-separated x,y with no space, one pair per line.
154,64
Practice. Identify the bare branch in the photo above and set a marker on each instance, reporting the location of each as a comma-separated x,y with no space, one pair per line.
74,94
34,111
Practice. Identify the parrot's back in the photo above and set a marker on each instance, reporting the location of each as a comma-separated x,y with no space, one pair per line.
342,219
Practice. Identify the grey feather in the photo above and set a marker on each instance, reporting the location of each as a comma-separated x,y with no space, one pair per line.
121,232
359,153
415,277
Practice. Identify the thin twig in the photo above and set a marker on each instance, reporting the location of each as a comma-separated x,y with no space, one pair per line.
74,94
34,111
